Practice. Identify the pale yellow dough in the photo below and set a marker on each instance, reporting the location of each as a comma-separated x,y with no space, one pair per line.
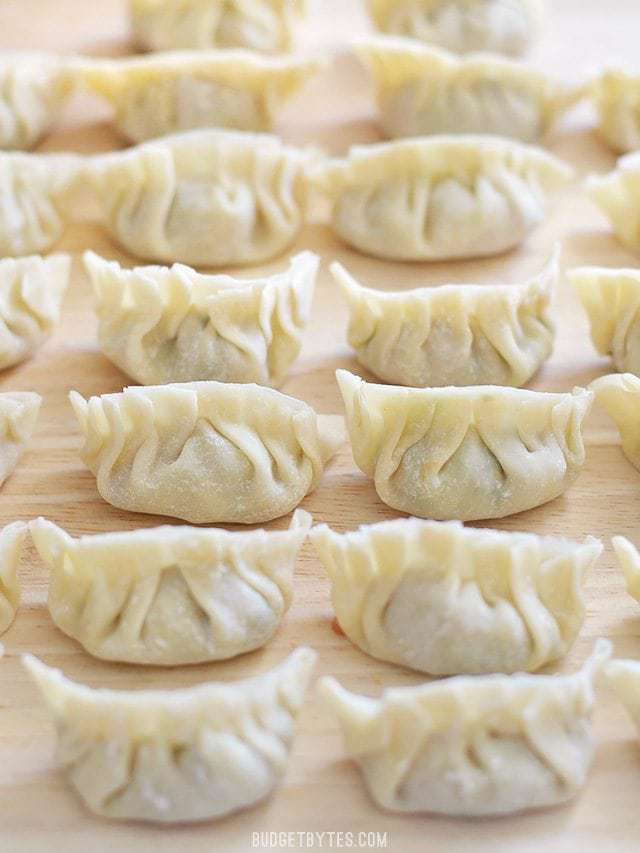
465,453
464,26
447,600
170,595
12,539
261,25
424,90
161,324
176,756
171,92
440,197
456,334
474,746
206,452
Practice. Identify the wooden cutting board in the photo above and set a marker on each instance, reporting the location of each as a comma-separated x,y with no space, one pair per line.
322,791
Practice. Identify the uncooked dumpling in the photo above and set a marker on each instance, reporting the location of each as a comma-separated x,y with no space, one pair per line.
31,292
629,560
623,677
464,26
170,595
176,756
618,196
616,95
204,198
437,198
33,87
37,194
206,452
11,541
619,396
424,90
448,600
18,416
175,325
465,453
474,746
262,25
458,334
611,298
170,92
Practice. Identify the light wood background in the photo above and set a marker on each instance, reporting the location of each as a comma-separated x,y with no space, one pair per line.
322,791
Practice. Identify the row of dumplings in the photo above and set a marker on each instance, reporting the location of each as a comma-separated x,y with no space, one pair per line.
216,197
214,452
450,600
162,325
435,597
421,91
267,25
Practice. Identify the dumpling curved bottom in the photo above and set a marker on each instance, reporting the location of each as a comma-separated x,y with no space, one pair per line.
496,774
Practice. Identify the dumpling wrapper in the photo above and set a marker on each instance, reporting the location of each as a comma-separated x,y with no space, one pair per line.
176,756
38,194
31,293
18,417
205,198
617,194
619,396
465,453
261,25
623,677
161,324
447,600
629,560
423,90
33,87
167,93
438,198
464,26
458,334
12,539
473,746
170,595
206,452
611,298
616,94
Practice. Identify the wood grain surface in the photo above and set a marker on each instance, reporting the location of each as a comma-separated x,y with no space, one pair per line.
322,791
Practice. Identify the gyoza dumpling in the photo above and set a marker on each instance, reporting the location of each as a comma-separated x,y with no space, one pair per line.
616,95
35,191
619,395
262,25
170,595
175,325
11,541
618,196
623,677
464,26
473,746
31,291
205,452
629,560
425,90
611,299
176,756
465,453
18,416
33,87
440,197
453,334
444,599
205,198
166,93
